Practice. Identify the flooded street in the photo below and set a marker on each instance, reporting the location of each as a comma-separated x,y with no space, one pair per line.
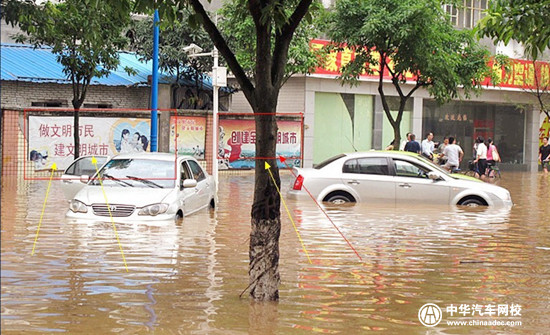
186,277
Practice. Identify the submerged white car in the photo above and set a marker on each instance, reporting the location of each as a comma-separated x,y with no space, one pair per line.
144,187
393,177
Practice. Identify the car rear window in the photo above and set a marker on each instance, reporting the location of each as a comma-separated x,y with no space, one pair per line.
328,161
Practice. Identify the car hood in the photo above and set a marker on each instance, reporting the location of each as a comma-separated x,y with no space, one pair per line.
464,177
137,196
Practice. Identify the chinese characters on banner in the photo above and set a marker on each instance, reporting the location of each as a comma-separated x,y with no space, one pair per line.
520,73
237,140
191,135
51,138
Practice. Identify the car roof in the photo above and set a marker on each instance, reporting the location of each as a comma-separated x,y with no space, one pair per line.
386,153
160,156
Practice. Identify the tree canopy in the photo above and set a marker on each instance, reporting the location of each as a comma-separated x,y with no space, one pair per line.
408,41
85,35
526,21
172,39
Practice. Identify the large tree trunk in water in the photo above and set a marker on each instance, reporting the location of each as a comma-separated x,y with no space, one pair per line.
266,217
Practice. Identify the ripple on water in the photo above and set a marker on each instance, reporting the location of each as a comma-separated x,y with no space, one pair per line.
186,276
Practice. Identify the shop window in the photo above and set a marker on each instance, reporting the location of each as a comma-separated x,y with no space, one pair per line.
52,103
98,106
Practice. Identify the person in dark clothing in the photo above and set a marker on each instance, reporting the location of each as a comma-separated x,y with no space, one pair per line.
544,154
412,145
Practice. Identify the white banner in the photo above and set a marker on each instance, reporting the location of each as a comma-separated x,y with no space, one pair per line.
51,138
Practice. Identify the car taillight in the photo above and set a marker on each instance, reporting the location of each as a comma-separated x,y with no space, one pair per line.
298,183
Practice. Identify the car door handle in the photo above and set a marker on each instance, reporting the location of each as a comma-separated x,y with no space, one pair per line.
67,181
196,189
405,185
353,182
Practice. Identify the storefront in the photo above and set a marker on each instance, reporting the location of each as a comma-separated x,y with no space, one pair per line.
466,120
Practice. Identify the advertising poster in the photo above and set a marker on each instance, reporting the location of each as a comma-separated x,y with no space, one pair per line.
237,140
188,135
51,138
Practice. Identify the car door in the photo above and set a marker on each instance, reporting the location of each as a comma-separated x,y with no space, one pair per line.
70,180
187,196
203,186
412,184
370,178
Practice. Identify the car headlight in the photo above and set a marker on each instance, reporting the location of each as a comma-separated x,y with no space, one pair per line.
154,209
78,206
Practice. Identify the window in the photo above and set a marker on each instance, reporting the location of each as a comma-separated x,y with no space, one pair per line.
408,169
371,165
328,161
98,105
467,13
84,166
47,104
185,174
198,173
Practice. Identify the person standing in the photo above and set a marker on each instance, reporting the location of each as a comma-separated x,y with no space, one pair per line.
481,157
428,146
544,154
404,142
454,154
492,155
441,149
412,145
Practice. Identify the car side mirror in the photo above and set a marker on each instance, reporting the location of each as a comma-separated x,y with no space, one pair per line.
434,175
84,178
189,183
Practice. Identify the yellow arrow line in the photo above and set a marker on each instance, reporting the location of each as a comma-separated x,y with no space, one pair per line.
94,162
54,167
267,167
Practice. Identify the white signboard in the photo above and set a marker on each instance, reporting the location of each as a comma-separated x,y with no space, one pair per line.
51,138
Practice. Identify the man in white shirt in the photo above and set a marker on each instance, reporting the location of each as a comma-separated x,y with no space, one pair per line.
481,156
428,146
454,154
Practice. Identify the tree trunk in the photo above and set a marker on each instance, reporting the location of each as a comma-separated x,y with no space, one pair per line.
76,131
263,272
396,136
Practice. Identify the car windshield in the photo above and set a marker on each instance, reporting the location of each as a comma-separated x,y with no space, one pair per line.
434,166
137,173
328,161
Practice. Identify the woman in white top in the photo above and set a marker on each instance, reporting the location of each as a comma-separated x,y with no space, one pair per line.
481,157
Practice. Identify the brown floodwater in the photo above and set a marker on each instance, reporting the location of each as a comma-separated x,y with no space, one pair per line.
186,277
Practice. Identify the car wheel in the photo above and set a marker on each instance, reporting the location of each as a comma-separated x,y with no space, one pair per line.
339,199
472,203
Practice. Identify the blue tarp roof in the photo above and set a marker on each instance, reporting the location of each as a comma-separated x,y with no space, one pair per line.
22,62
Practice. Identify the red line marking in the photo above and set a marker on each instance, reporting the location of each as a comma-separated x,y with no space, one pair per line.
328,217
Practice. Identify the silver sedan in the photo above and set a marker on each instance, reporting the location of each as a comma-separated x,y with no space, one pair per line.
392,177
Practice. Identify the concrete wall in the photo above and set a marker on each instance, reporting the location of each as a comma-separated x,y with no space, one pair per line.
291,98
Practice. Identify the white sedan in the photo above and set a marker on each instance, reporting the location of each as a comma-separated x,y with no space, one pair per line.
143,187
392,177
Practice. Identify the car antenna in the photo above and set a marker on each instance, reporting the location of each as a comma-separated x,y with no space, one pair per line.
350,142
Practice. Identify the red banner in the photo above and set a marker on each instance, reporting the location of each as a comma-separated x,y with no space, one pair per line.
520,74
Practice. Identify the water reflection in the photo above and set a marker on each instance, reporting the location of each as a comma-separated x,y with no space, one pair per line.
186,276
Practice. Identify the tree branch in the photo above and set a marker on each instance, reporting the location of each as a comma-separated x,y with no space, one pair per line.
220,43
282,42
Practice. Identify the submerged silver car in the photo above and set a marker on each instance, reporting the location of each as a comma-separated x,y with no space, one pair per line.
392,177
144,187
